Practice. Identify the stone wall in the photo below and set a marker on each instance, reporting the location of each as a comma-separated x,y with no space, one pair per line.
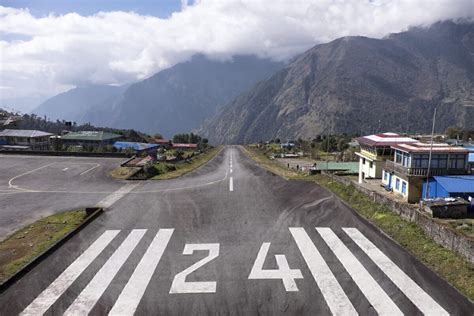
441,233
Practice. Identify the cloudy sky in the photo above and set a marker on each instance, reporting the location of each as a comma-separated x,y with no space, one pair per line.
49,46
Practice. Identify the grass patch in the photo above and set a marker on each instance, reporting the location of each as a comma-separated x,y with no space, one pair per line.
271,165
171,171
123,173
452,267
25,244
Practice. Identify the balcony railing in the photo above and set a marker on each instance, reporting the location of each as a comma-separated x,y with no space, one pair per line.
420,172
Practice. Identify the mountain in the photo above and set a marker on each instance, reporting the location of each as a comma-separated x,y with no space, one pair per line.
71,104
180,98
21,104
360,85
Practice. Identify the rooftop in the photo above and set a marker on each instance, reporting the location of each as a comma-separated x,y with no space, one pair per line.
457,184
184,145
134,145
425,148
90,135
23,133
384,139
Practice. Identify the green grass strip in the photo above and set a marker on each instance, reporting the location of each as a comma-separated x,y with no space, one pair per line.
25,244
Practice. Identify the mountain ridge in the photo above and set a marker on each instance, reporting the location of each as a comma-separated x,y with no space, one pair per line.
359,84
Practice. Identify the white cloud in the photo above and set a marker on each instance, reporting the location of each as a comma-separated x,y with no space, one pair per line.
57,52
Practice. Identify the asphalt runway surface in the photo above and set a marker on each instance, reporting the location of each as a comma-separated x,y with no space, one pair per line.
229,238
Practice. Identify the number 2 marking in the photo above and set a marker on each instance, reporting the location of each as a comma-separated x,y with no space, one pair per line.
180,285
283,272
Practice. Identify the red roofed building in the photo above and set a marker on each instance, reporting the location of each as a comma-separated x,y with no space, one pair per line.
408,168
375,150
184,146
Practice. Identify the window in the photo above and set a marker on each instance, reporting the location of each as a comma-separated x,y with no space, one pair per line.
397,184
404,188
385,175
457,161
371,164
398,157
424,160
363,161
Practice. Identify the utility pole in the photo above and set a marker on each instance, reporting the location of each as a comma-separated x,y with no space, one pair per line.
427,195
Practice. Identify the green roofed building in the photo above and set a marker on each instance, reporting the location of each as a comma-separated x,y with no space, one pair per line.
89,138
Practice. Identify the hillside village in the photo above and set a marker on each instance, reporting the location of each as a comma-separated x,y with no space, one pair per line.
152,153
401,167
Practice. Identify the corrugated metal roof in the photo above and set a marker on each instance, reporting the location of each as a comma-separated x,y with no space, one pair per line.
384,139
456,184
23,133
425,148
90,135
134,145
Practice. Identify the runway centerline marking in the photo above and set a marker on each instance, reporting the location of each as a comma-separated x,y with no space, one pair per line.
410,289
65,169
47,298
231,184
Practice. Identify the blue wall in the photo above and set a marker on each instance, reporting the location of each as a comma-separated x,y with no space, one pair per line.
436,190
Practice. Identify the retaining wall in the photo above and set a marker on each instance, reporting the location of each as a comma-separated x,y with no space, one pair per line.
441,233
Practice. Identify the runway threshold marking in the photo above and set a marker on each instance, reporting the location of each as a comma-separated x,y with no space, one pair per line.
131,295
96,287
47,298
415,293
366,283
330,288
337,300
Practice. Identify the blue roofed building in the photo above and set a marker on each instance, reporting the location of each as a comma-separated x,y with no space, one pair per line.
138,148
450,186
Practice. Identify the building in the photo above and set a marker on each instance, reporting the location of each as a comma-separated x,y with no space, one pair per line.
470,159
407,170
89,138
141,149
184,146
163,143
374,151
21,139
450,186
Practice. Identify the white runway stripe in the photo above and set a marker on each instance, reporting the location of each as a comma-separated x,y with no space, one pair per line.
231,184
109,200
96,287
335,297
415,294
369,287
47,298
131,295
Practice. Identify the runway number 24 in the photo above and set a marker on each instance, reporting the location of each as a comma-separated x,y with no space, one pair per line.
287,275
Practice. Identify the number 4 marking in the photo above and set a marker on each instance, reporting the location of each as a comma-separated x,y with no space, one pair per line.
283,272
180,285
